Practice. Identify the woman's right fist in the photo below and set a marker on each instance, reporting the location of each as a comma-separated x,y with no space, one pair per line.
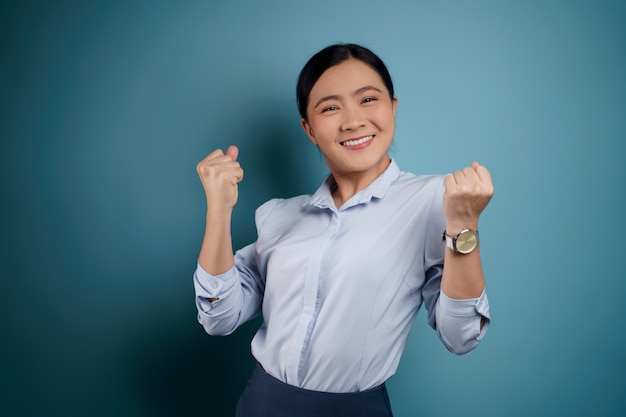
220,173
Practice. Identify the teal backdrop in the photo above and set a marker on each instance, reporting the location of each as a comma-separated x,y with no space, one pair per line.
107,106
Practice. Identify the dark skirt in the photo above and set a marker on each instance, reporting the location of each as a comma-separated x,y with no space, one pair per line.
266,396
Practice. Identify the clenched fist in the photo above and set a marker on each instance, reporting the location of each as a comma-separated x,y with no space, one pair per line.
220,173
467,193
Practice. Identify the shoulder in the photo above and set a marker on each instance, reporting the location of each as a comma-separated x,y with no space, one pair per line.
281,207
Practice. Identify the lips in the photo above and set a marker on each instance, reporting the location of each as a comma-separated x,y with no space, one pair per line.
357,142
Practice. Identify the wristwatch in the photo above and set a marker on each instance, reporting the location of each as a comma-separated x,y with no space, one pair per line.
465,242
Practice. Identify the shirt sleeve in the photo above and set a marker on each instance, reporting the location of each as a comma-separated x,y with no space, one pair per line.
458,322
238,292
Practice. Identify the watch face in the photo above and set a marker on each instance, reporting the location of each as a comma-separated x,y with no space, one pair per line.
466,241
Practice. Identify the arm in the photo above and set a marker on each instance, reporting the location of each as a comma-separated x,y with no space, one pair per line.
225,296
219,173
462,305
466,195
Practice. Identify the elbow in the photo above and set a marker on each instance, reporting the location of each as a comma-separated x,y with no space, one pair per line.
214,327
461,348
213,321
463,337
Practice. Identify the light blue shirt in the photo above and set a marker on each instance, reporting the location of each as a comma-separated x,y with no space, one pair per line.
340,288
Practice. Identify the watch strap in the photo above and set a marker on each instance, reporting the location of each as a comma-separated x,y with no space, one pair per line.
451,241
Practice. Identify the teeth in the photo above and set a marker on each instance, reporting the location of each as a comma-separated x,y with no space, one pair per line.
358,141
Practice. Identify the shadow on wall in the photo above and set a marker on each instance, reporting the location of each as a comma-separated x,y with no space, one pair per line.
279,161
181,370
286,161
196,374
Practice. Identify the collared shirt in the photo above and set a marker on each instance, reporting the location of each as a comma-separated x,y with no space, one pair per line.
339,288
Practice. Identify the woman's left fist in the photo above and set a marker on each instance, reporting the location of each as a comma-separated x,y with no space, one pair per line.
467,193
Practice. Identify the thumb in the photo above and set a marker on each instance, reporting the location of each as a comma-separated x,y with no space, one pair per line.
233,152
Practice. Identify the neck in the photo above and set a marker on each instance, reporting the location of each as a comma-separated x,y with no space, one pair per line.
350,183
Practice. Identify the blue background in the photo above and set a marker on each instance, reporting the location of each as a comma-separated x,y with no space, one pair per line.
106,107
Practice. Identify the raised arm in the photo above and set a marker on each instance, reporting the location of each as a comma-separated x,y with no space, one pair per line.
220,174
467,193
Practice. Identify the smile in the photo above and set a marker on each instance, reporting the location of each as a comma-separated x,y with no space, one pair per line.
357,142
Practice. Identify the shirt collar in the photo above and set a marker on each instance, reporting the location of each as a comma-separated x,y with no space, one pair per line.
323,196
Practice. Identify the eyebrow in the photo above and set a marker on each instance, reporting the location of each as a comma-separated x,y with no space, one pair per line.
355,93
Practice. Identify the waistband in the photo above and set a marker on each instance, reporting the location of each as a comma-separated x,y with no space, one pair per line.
266,396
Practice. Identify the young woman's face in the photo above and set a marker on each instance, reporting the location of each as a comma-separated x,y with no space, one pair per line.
351,118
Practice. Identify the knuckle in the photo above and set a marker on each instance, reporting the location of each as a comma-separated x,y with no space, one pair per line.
201,168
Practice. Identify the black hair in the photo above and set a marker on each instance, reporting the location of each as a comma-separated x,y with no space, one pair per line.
329,57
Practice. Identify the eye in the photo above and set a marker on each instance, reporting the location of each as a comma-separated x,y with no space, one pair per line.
369,99
329,108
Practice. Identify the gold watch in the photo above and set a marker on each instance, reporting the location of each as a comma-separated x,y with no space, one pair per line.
465,242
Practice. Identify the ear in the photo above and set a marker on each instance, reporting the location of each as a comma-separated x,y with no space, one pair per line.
309,131
394,105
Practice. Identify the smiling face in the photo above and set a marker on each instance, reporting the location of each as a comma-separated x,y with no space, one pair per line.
351,117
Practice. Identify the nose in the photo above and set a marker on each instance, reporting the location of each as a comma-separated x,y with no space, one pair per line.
353,118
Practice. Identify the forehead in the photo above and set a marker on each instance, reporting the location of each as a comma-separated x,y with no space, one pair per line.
347,77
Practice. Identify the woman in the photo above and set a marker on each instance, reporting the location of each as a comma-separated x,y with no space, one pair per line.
340,275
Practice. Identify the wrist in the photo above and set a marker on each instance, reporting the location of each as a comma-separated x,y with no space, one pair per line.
463,242
215,215
453,228
218,208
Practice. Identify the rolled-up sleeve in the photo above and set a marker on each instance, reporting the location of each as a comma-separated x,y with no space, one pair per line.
458,322
237,295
